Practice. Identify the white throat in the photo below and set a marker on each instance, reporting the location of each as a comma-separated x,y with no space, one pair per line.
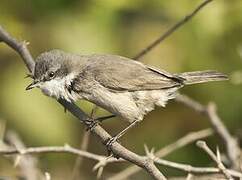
57,88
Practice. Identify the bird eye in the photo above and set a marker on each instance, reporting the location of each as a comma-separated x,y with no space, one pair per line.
51,74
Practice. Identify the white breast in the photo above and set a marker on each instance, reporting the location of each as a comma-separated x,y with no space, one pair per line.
57,88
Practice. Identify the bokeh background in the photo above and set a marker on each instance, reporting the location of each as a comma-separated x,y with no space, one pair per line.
212,40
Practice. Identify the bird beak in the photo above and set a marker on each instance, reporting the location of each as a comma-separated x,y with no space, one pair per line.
32,85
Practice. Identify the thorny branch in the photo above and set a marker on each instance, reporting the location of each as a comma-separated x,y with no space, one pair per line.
28,165
102,161
187,139
58,149
215,158
84,146
232,146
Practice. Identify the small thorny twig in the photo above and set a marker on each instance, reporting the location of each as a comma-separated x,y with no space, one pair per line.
83,146
232,146
217,159
187,139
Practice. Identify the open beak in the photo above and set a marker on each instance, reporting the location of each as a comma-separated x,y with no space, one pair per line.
32,85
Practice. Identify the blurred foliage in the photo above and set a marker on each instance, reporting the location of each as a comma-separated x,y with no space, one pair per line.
212,40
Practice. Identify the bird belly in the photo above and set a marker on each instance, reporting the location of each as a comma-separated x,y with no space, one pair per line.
120,104
130,106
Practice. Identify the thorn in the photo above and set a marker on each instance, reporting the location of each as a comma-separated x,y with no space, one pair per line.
67,145
146,149
152,150
99,173
29,76
26,42
200,143
47,176
17,160
96,166
218,154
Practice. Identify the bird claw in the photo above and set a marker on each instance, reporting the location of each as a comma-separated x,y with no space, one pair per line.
109,144
111,141
91,124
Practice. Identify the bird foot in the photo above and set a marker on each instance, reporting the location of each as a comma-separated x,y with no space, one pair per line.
109,144
91,124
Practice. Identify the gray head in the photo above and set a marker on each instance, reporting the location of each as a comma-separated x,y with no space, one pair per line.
50,65
53,72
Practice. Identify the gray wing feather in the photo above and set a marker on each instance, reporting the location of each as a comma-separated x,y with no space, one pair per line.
123,74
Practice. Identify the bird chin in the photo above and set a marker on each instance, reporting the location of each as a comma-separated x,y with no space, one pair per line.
52,88
57,90
46,92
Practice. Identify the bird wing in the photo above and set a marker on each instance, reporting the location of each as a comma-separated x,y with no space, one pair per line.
122,74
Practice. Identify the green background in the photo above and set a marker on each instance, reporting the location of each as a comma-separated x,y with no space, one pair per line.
212,40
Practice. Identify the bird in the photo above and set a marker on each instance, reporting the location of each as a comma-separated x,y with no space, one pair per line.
124,87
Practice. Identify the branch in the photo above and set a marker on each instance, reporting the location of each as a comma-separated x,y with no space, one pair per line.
190,169
83,146
103,160
116,148
57,149
27,164
216,159
232,146
188,139
20,47
195,170
171,30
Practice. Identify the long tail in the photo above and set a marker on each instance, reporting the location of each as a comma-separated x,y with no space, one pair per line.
202,76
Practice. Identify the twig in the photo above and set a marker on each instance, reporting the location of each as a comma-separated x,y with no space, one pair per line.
103,160
232,146
216,159
79,160
20,47
116,148
221,168
47,176
57,149
27,164
195,170
189,176
189,138
171,30
84,147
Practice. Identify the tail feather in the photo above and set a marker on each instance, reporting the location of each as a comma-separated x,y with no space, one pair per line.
202,76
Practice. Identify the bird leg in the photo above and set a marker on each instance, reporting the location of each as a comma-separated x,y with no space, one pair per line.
101,119
119,135
91,123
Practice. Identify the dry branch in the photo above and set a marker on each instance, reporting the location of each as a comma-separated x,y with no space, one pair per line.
102,161
57,149
188,139
28,164
84,146
232,146
171,30
195,170
216,159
